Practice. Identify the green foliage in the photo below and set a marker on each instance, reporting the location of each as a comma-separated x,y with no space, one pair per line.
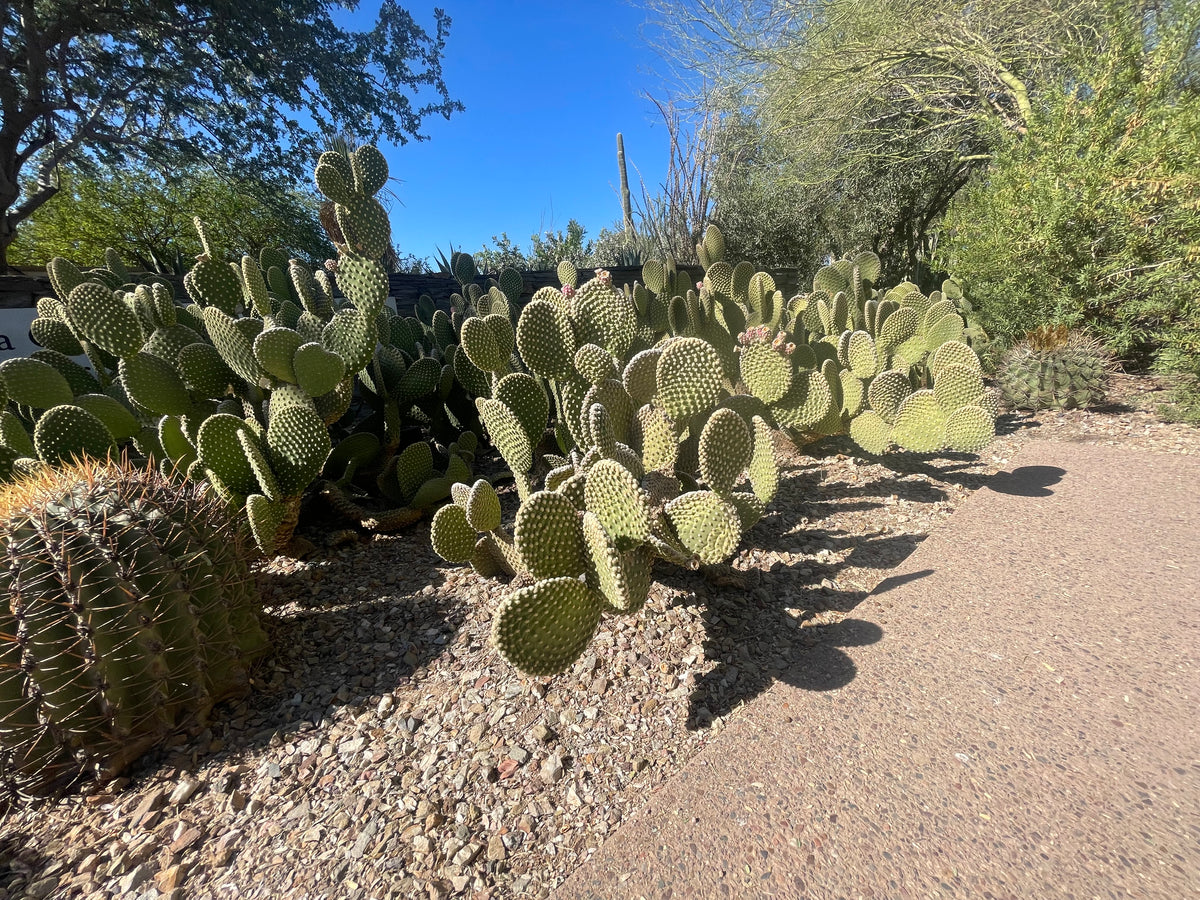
545,252
149,216
130,611
134,83
1092,219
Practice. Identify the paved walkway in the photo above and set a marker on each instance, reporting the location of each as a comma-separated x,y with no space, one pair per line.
1023,721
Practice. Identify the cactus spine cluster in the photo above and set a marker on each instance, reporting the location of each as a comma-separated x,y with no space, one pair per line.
128,610
1054,368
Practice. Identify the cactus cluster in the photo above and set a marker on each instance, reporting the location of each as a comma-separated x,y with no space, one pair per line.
1054,368
129,610
663,400
252,382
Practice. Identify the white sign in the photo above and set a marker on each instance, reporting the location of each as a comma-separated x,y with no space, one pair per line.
14,332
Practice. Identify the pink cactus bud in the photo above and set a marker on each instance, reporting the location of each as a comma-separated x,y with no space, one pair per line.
331,265
568,291
742,339
699,285
789,349
604,277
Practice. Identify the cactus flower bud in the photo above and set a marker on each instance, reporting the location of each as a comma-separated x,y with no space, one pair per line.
604,277
789,349
568,291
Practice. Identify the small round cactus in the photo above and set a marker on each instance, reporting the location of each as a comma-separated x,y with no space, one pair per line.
1054,368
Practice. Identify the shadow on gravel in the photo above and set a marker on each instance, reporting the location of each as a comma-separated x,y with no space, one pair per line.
1027,481
333,651
21,867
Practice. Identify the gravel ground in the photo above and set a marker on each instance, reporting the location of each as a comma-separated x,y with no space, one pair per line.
388,751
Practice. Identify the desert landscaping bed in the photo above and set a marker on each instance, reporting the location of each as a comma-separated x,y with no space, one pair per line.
388,751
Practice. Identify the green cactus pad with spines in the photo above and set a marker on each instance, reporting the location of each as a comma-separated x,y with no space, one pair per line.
55,335
689,377
600,431
214,284
414,466
725,450
611,394
370,169
546,340
954,353
887,391
766,373
508,434
352,334
265,516
155,384
443,330
482,506
969,429
431,493
69,431
853,391
364,282
420,379
204,370
219,451
175,442
253,450
947,328
957,386
870,432
117,418
806,404
542,629
99,317
65,276
613,494
13,435
334,176
452,536
707,526
718,280
556,476
920,424
279,284
236,349
603,315
595,363
167,341
623,580
274,349
473,379
457,470
365,225
654,437
830,280
861,355
488,342
254,287
298,444
34,383
548,537
641,376
747,406
525,397
459,493
763,468
318,371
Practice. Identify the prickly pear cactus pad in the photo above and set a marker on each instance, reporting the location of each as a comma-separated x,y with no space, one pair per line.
613,494
542,629
689,378
548,537
706,525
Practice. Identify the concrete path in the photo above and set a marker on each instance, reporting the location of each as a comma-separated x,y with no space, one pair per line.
1023,719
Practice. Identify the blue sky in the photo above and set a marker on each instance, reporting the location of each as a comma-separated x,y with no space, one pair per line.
547,86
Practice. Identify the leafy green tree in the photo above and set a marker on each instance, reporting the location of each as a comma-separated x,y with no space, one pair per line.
147,216
546,250
224,82
879,110
1092,217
